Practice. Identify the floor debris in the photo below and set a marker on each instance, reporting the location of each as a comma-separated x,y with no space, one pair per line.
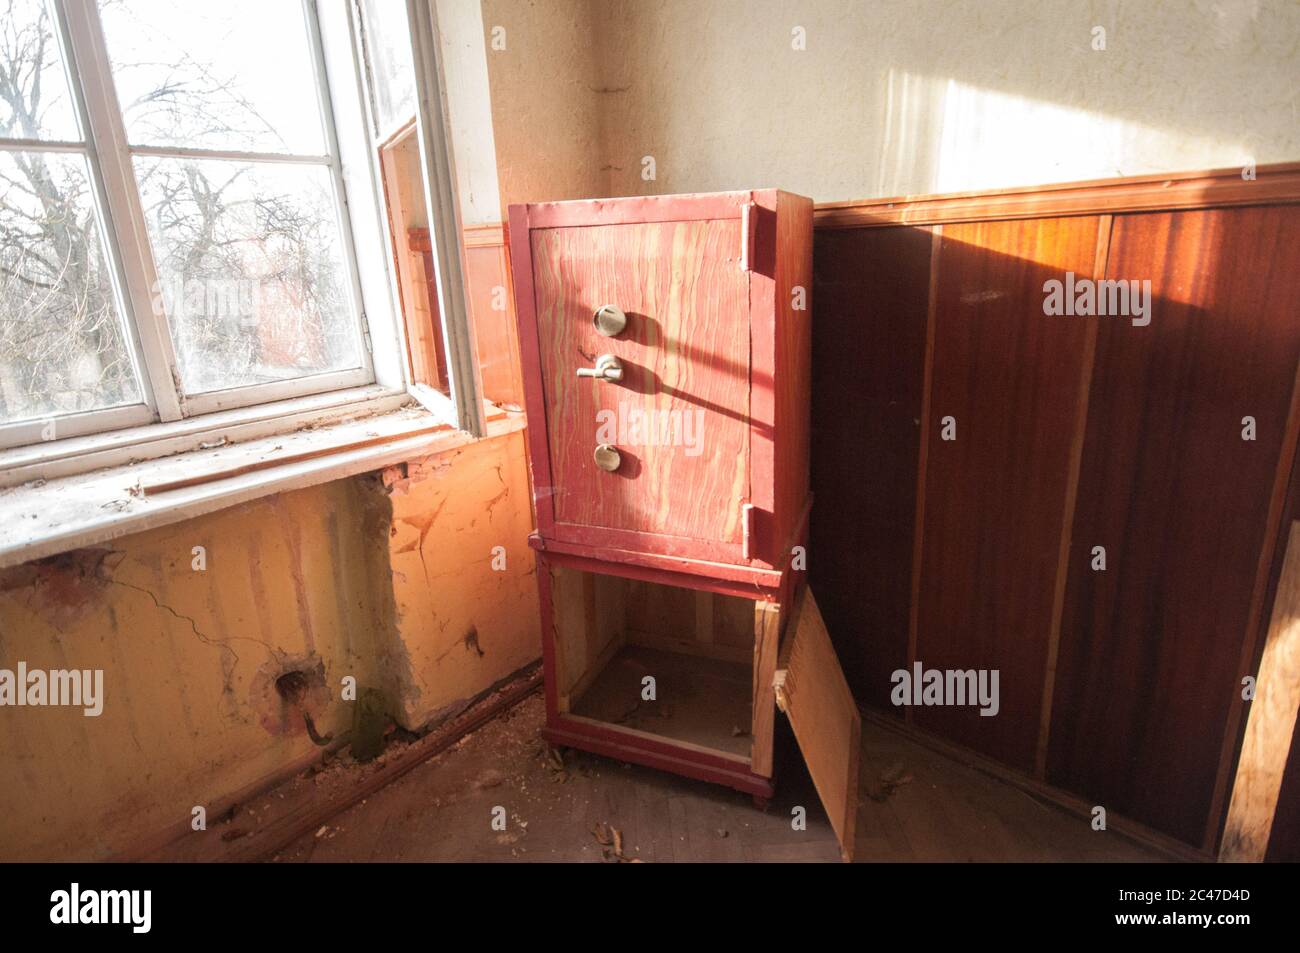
890,780
569,805
611,839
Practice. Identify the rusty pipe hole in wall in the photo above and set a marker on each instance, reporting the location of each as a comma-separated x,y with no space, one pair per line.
292,688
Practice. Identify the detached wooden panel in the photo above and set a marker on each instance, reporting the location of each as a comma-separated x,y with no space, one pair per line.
1284,836
1150,649
994,498
1268,742
871,288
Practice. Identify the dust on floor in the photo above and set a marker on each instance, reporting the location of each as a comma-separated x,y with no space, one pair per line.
500,794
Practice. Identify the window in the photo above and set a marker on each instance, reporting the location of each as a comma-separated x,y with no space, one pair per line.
184,224
394,135
66,348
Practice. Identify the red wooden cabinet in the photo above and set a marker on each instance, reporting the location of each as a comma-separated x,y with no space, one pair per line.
665,345
702,402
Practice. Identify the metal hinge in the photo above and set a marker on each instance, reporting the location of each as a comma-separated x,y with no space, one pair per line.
748,226
747,530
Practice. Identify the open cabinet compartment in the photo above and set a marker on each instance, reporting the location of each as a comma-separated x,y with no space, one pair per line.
711,655
722,659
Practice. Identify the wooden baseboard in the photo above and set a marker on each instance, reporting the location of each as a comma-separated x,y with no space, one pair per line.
277,833
156,845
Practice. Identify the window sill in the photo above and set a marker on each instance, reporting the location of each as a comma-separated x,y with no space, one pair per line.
74,455
48,516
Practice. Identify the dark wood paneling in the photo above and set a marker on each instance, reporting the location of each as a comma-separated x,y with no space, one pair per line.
486,276
995,496
869,295
1149,650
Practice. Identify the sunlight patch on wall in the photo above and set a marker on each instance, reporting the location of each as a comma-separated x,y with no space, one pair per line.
991,140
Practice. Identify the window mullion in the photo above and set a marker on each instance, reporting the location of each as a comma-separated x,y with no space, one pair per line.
107,145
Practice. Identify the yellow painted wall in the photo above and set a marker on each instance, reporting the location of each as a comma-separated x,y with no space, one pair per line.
324,575
466,617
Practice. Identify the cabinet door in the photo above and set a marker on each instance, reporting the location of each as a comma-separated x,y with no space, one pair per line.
810,688
679,416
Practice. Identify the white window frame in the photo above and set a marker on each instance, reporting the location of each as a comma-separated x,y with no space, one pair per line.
442,211
91,421
446,226
247,412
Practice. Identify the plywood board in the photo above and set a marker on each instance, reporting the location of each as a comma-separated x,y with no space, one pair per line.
1272,721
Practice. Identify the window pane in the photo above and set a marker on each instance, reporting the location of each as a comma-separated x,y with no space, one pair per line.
235,75
388,58
34,100
252,271
62,344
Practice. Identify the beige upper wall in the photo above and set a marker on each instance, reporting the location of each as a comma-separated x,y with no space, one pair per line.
888,98
546,102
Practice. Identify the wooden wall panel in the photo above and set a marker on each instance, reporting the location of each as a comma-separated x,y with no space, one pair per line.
1150,648
994,498
869,298
663,613
1139,687
492,307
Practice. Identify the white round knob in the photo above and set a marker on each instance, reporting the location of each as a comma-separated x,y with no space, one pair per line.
607,457
609,320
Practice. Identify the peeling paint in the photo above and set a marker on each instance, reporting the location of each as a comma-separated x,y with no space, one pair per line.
66,586
274,715
349,578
